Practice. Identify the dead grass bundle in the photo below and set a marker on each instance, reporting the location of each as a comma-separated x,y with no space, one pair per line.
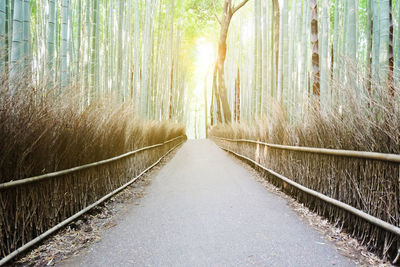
41,134
359,119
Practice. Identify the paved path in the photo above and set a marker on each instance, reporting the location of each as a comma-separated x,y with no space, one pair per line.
204,209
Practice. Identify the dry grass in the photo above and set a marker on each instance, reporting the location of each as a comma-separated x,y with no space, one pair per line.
42,133
359,120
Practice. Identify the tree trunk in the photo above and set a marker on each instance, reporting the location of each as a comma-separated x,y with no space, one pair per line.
27,34
171,84
237,97
212,106
391,56
384,40
335,52
376,41
78,46
146,60
225,20
17,44
96,46
315,52
275,5
351,39
120,56
324,48
283,49
51,38
370,23
2,35
221,66
285,52
137,48
111,50
130,53
10,18
87,51
397,49
64,42
257,78
205,105
304,52
215,89
171,52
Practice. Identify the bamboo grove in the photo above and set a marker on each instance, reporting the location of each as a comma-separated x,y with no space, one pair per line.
80,82
77,74
294,51
125,50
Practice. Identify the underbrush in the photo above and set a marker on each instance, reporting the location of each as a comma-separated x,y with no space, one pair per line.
360,121
41,133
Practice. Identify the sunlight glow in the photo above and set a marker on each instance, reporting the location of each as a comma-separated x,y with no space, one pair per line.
205,55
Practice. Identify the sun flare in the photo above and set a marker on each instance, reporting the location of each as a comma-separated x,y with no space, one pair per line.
205,54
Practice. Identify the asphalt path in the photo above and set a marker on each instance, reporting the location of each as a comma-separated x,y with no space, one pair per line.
204,209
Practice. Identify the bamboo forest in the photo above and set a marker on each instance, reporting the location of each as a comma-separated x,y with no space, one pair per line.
199,132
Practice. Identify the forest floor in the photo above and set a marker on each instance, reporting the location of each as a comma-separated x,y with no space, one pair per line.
205,208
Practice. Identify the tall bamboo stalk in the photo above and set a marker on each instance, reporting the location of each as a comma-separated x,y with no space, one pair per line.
17,47
3,48
64,43
315,52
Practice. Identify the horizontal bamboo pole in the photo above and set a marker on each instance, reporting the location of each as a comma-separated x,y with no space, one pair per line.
369,218
76,215
78,168
325,151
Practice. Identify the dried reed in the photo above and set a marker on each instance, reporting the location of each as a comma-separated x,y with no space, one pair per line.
42,132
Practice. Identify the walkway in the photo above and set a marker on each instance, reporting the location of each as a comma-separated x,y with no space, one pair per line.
204,209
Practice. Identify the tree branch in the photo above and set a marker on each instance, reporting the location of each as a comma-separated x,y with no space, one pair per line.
236,8
215,13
